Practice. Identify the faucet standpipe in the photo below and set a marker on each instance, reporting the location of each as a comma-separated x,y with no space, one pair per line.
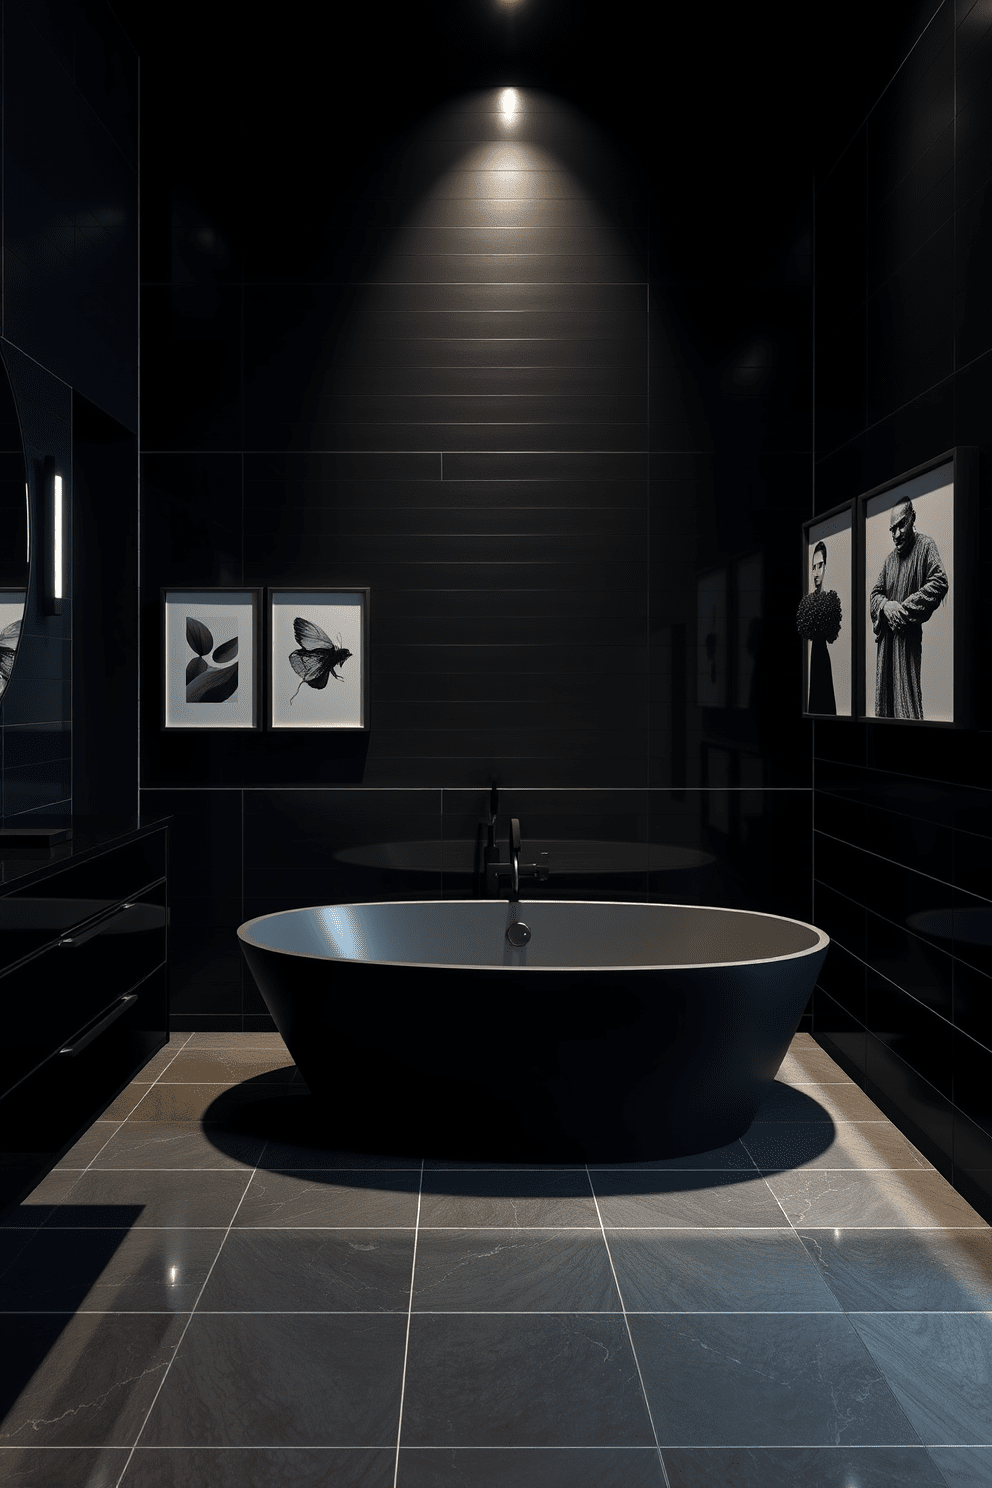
514,869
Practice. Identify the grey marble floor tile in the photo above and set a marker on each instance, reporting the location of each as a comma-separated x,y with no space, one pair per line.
964,1467
175,1144
235,1041
82,1153
530,1467
12,1243
69,1467
513,1271
905,1270
812,1197
733,1156
717,1271
764,1380
229,1066
811,1144
151,1071
312,1271
690,1199
149,1198
312,1198
835,1103
489,1381
129,1099
293,1156
282,1380
54,1189
801,1467
105,1270
497,1198
940,1368
811,1065
82,1381
260,1467
201,1102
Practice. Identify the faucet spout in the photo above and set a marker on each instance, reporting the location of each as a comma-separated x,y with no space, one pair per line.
514,860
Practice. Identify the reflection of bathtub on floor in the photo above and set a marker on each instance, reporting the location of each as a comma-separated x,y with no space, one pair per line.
619,1032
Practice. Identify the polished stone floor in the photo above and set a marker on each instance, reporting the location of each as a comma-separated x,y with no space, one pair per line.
189,1302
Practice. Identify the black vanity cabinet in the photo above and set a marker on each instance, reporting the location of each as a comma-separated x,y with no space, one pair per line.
83,989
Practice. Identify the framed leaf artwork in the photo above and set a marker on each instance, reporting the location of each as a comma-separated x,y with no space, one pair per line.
317,656
211,658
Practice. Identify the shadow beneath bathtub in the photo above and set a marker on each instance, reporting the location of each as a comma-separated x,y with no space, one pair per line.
304,1133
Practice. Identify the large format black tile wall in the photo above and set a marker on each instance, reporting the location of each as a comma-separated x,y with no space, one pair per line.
70,321
491,377
903,816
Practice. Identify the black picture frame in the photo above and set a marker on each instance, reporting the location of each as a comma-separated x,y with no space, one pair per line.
323,672
236,607
830,665
931,669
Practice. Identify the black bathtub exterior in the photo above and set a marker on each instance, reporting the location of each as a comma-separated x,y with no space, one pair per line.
571,1065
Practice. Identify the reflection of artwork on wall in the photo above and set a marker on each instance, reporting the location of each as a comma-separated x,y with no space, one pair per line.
825,618
749,612
711,640
11,616
715,796
318,648
911,596
211,655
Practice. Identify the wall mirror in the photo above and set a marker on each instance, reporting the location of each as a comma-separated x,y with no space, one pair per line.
15,534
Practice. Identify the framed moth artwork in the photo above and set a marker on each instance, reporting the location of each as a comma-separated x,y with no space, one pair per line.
318,658
826,618
211,658
919,548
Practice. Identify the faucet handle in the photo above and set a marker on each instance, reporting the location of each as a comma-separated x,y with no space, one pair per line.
514,835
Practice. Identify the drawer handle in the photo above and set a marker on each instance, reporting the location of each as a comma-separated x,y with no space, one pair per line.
71,941
93,1030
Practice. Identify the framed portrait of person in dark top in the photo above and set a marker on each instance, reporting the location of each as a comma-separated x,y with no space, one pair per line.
918,552
825,618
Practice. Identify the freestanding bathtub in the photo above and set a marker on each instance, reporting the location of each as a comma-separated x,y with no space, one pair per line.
617,1033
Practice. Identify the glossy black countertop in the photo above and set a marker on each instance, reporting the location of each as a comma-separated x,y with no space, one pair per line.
91,835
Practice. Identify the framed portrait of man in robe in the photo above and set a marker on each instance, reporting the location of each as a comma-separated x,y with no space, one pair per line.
826,616
919,544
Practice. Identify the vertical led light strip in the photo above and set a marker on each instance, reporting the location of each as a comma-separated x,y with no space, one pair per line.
57,540
52,539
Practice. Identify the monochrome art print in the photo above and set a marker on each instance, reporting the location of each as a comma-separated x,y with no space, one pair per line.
825,616
316,658
11,617
909,599
210,656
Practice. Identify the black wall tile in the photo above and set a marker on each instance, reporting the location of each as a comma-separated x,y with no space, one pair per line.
973,1081
191,389
926,1116
842,980
920,967
911,1030
841,1034
919,810
973,1002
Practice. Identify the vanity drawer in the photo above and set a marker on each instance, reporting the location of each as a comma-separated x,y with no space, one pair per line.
43,912
57,995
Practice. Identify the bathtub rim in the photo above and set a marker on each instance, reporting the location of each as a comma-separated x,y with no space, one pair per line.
823,940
